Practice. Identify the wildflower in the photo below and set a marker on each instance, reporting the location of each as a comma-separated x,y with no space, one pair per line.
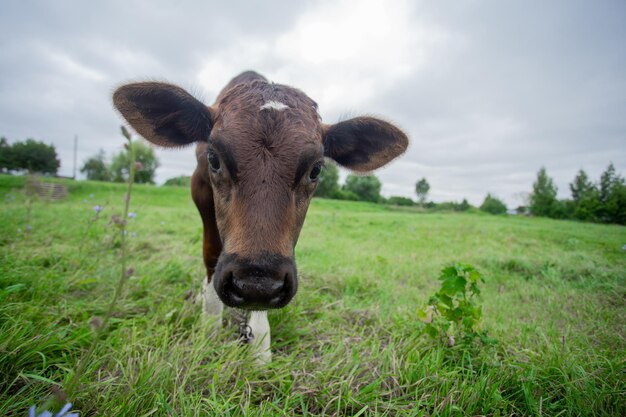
29,228
624,247
62,413
98,208
133,234
132,215
91,195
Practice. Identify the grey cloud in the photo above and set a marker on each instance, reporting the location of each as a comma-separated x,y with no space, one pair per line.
552,71
510,86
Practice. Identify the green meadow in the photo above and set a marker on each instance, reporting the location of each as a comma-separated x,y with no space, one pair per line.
350,343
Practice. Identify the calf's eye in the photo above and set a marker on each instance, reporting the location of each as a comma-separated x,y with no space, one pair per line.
314,175
214,161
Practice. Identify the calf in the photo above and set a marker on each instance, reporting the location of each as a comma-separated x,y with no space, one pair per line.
260,149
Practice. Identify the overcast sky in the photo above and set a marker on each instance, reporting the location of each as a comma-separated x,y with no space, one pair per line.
488,91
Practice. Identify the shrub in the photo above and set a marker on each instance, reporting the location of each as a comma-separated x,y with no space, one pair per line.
180,181
400,201
453,310
493,205
367,188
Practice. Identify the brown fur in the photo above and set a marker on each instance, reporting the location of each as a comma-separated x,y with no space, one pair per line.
256,203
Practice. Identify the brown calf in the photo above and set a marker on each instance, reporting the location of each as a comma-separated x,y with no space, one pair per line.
260,149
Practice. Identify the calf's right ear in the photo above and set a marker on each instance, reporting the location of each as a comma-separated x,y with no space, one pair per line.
363,144
163,114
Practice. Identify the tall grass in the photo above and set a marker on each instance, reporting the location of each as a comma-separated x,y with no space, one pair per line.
350,342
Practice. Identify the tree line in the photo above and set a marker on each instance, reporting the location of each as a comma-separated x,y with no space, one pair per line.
367,188
603,201
37,157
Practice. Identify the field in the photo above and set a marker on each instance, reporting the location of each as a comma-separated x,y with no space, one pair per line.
554,299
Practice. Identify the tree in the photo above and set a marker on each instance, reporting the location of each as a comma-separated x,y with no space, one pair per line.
328,186
96,168
608,180
6,155
421,189
367,188
180,181
585,204
612,197
493,205
35,156
464,206
146,164
581,186
616,204
543,200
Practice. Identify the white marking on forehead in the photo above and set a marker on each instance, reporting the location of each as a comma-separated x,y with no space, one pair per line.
275,105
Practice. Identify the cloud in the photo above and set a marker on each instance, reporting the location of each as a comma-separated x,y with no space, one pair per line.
342,53
488,91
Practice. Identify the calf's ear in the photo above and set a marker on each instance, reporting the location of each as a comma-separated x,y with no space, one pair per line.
164,114
363,144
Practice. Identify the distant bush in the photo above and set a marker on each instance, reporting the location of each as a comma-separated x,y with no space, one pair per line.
346,195
180,181
96,168
400,201
146,163
493,205
328,186
448,206
367,187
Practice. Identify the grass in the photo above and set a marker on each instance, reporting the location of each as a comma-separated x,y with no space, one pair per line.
349,343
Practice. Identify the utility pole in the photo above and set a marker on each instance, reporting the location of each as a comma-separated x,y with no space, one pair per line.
75,149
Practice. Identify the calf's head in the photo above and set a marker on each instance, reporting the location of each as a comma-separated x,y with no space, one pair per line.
260,150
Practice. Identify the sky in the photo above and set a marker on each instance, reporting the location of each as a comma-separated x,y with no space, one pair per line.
488,91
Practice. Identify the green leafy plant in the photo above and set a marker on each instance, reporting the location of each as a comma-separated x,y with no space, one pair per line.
454,310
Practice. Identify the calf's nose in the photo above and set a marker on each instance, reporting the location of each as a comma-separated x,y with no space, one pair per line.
255,284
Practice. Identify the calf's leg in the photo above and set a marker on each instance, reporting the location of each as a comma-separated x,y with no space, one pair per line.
260,336
259,326
212,306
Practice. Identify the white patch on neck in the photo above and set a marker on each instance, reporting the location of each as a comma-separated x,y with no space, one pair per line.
274,105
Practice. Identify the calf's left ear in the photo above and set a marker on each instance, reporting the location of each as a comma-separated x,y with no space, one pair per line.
163,114
363,144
